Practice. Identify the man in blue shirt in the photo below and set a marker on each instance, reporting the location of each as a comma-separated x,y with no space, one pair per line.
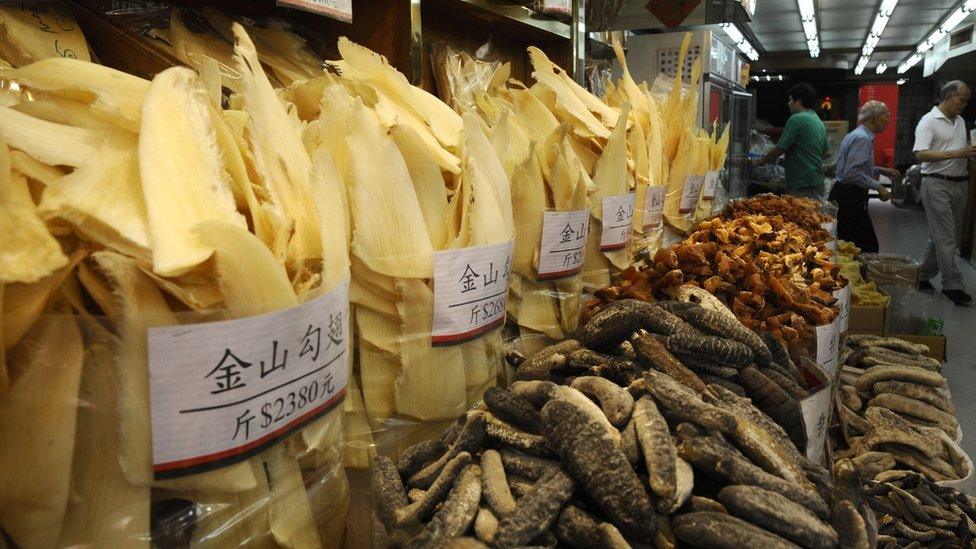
857,175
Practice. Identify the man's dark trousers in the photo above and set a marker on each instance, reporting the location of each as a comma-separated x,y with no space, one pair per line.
853,222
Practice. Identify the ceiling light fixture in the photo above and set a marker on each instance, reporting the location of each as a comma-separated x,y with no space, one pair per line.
938,33
902,81
740,40
808,18
881,68
874,35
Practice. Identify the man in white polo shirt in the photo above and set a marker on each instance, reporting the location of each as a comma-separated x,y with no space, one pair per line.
942,148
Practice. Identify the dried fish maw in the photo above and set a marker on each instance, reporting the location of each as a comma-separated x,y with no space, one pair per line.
183,180
250,278
37,426
379,373
23,303
289,511
105,509
538,309
529,203
54,144
329,498
571,102
103,200
480,366
28,251
432,384
359,437
539,120
390,241
236,156
478,149
279,156
236,520
332,205
428,183
115,94
378,330
142,306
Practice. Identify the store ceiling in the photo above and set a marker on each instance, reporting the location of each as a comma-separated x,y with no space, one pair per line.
843,26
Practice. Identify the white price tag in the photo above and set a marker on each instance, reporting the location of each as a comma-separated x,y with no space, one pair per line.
336,9
830,227
563,243
843,297
827,341
690,193
815,409
470,291
618,220
711,184
224,391
654,207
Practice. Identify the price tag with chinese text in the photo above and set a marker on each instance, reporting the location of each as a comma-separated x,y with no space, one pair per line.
654,207
563,243
470,291
221,392
690,193
843,297
827,342
711,184
815,409
618,221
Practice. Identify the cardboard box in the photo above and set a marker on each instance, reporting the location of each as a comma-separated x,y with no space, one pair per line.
867,320
937,344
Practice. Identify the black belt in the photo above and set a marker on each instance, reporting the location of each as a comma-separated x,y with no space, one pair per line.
956,178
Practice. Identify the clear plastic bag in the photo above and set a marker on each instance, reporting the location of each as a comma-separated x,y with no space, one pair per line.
71,427
897,276
459,76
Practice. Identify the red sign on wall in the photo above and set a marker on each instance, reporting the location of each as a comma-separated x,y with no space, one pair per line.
884,142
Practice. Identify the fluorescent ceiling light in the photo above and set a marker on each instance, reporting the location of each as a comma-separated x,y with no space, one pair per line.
902,81
951,21
881,68
741,43
874,35
808,18
909,63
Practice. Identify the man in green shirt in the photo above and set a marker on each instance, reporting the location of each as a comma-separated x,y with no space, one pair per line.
804,141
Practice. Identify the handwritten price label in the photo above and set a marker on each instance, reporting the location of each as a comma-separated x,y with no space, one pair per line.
470,292
711,184
654,207
815,409
224,391
618,220
827,343
690,193
563,244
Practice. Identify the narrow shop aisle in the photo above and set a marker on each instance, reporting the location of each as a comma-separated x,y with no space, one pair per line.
904,231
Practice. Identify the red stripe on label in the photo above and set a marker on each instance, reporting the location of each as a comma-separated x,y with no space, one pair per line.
610,247
295,423
461,338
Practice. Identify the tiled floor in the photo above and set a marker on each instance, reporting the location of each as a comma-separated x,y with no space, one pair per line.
904,231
